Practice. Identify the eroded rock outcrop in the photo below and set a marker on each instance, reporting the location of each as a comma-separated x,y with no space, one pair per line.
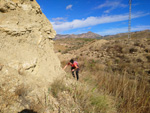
26,49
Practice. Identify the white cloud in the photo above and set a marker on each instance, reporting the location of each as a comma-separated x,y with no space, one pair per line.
58,19
107,11
112,5
69,7
123,30
91,21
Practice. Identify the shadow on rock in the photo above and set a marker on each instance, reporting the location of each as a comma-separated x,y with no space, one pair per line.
27,111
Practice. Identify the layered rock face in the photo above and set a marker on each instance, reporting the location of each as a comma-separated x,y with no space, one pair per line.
26,48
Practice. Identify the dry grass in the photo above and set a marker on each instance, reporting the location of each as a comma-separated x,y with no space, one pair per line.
19,100
132,95
70,44
87,98
6,99
120,68
58,86
11,99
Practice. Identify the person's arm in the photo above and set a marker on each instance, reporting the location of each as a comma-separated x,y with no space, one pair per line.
76,67
65,66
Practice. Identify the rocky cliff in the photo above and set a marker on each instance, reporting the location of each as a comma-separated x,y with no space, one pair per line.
27,59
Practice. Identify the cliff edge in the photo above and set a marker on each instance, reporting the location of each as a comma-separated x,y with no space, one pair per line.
27,59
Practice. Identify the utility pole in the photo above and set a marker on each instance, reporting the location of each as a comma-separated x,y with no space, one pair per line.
129,24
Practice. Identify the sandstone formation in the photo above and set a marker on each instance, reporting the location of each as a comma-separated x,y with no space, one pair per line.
27,59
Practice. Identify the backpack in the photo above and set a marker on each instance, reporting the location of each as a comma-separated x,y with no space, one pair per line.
76,63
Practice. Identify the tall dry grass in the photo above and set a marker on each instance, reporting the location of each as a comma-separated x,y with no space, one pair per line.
131,95
87,98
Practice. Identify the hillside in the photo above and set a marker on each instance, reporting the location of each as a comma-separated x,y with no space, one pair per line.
121,53
114,75
83,35
31,77
118,66
68,44
137,34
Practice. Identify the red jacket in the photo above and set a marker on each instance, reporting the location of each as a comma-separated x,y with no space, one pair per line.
74,64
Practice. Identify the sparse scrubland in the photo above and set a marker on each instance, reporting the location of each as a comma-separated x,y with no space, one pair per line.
69,44
114,78
120,69
80,97
114,73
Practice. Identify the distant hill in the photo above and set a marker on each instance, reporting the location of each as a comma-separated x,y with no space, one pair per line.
83,35
90,34
136,34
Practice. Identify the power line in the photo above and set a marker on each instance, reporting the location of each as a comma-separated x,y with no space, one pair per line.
129,24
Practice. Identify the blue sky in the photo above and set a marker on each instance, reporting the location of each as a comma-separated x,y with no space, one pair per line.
105,17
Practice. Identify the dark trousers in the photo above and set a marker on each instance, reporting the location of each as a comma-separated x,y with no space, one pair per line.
77,72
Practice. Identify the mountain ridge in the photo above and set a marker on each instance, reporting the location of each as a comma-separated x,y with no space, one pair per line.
89,34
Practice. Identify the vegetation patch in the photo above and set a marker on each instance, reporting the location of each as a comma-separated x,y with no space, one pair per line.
130,91
119,68
89,100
